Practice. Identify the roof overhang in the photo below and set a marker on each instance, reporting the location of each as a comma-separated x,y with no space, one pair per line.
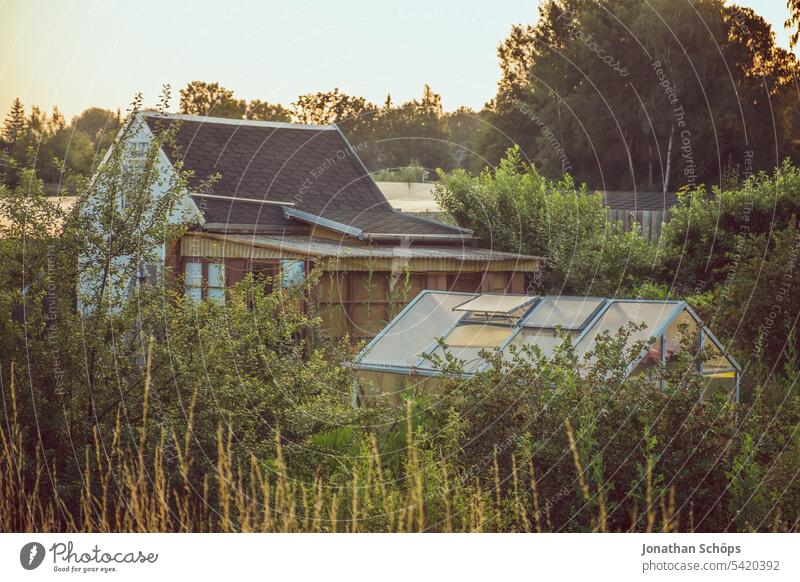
355,256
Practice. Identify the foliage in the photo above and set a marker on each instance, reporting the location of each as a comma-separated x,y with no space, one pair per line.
56,150
624,100
706,233
759,304
214,100
794,19
414,172
530,446
514,208
155,413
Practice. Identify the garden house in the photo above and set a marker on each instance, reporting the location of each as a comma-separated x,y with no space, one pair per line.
288,197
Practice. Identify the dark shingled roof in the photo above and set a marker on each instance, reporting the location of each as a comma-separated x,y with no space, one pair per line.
312,166
639,200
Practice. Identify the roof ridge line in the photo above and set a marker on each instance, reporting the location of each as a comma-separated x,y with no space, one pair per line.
229,121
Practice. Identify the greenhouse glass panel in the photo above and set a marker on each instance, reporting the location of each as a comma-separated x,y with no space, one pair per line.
679,335
714,360
546,340
566,312
495,303
478,336
414,330
470,356
621,313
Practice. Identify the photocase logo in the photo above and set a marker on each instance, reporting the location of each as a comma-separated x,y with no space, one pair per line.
31,555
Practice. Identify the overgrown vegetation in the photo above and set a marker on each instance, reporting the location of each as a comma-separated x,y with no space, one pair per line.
144,411
530,446
732,253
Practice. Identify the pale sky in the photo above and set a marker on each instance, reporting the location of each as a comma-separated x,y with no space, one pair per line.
82,53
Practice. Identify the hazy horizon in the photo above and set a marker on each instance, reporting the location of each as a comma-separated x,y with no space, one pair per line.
83,54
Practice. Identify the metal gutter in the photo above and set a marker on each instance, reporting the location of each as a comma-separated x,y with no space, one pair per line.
407,371
225,228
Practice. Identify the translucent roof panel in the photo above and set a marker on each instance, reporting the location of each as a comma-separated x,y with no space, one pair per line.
478,336
469,355
546,339
407,336
620,313
495,303
467,341
566,312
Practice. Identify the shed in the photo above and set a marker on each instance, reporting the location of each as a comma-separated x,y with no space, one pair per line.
287,198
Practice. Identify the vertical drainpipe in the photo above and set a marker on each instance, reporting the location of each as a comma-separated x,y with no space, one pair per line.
662,384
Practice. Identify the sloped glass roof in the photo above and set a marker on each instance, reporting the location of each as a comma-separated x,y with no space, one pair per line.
495,303
620,313
438,322
568,313
413,330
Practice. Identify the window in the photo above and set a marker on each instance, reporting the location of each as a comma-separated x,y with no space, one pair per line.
568,313
216,281
204,280
194,280
293,272
477,336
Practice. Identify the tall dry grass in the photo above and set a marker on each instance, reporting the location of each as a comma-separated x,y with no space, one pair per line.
126,487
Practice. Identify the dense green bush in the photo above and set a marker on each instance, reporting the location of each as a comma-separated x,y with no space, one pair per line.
704,238
513,208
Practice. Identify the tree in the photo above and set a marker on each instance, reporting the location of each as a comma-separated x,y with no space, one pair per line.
705,232
626,99
355,116
15,122
414,131
463,127
263,111
758,306
330,107
94,121
84,367
210,99
794,19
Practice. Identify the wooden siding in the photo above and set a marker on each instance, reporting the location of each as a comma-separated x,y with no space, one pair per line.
359,296
361,304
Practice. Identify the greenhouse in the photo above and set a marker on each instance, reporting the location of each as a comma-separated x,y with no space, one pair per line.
468,325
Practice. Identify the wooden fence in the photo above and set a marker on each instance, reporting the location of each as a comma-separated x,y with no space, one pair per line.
650,221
